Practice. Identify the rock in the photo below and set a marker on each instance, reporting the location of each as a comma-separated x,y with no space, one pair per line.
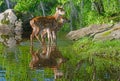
10,28
5,30
8,15
18,30
113,33
88,31
11,42
98,32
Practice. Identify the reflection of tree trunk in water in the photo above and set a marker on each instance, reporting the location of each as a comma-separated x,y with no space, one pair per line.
8,3
43,10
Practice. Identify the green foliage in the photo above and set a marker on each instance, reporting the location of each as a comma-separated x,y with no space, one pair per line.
111,6
80,12
26,5
102,59
1,2
94,18
2,5
62,1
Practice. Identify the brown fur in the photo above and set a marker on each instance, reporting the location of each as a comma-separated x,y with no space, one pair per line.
53,32
39,23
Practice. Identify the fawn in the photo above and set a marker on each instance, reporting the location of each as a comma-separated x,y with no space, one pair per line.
41,22
52,33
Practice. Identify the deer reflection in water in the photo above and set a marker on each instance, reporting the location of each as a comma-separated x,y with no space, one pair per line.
49,56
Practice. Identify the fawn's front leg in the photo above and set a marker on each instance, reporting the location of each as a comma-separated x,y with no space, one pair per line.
37,31
54,42
49,34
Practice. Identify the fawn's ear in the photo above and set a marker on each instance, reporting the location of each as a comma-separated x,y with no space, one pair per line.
59,7
56,8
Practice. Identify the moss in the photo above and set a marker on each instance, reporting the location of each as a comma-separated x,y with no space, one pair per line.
4,21
106,33
5,36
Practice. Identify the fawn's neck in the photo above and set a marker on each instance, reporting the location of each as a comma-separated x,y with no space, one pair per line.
56,15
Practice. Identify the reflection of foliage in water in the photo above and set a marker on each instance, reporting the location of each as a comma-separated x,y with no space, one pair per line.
98,60
19,70
88,61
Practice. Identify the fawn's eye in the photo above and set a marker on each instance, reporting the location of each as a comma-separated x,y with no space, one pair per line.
61,9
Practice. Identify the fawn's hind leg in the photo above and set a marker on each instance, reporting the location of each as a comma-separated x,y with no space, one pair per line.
32,36
37,34
43,36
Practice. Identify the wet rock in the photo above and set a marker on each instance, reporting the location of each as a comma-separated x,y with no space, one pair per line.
9,16
11,42
5,30
113,33
98,32
88,31
10,28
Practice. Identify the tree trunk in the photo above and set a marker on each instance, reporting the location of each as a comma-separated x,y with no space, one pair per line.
71,28
8,4
43,10
81,14
98,6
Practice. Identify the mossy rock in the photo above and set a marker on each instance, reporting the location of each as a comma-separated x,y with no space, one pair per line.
106,33
4,21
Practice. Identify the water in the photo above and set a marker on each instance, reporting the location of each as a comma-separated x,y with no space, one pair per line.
2,74
20,62
26,63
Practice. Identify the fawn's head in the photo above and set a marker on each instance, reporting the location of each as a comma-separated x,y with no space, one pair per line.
60,10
